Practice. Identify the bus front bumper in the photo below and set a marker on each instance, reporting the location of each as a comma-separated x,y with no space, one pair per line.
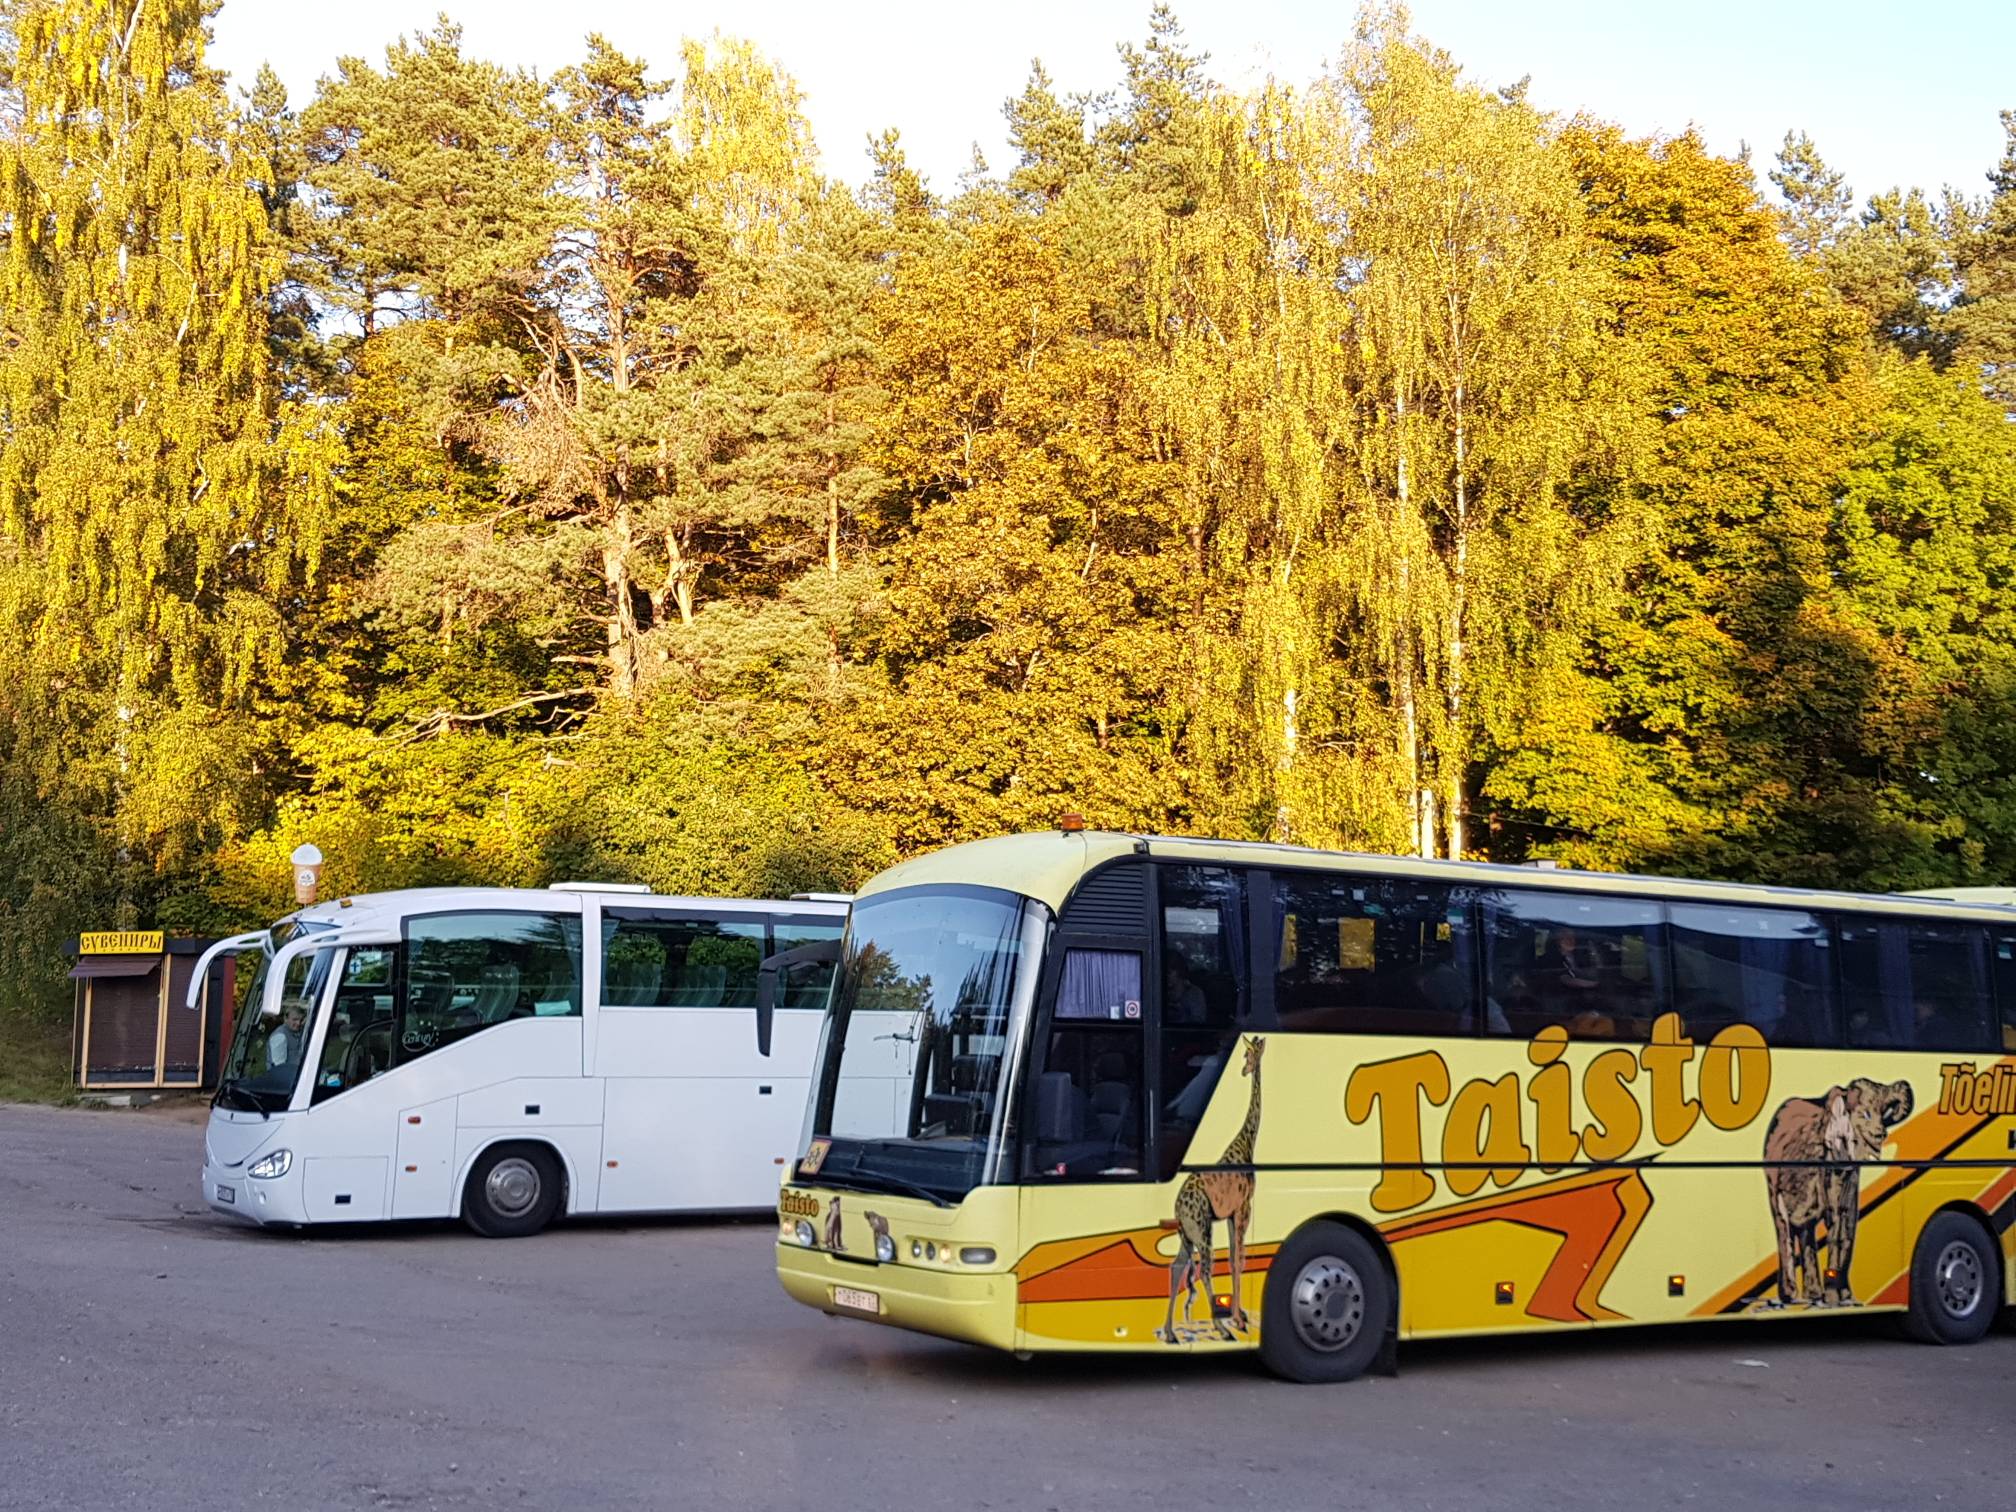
975,1306
231,1192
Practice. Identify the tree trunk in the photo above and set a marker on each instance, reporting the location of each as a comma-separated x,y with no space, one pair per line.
1454,763
679,574
1420,802
621,628
832,497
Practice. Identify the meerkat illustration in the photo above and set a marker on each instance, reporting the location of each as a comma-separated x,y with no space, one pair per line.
878,1230
833,1240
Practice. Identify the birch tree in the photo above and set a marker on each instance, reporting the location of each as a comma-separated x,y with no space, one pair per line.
1484,413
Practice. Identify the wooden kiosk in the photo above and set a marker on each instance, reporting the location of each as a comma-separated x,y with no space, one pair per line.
129,1029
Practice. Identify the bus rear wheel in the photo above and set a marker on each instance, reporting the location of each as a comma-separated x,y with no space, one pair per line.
1956,1280
513,1191
1327,1305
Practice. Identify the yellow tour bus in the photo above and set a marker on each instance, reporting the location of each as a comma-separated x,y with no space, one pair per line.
1084,1091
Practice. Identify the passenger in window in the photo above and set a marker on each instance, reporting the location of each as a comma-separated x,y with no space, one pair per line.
1938,1027
1573,965
1182,999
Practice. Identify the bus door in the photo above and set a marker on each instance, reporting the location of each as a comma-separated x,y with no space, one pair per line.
1138,1016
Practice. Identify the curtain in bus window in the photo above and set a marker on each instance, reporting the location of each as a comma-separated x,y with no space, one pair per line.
1100,984
1594,965
1917,986
1087,1108
1770,968
1373,956
656,960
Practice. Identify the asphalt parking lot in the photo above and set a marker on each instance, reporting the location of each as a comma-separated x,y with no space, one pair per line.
154,1356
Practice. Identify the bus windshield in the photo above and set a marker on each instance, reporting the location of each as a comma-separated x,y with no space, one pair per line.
267,1053
919,1065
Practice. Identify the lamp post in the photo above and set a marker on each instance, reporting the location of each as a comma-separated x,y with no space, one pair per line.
307,862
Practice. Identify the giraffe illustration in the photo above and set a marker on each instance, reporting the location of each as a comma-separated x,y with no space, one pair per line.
1204,1199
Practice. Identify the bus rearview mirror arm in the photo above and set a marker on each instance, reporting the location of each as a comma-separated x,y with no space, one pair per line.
819,953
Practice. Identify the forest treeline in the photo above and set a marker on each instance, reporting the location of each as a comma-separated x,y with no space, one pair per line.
497,476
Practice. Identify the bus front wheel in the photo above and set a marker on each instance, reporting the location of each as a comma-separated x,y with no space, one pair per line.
1956,1279
513,1191
1327,1305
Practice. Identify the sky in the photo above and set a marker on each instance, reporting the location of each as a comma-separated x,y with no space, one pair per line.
1887,102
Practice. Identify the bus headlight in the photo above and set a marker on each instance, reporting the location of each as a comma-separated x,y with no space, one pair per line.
268,1167
885,1249
804,1232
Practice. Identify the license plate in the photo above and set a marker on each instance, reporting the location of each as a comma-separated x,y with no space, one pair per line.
228,1194
857,1299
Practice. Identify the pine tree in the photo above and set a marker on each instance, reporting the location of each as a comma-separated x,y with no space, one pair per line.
1819,206
1051,138
1983,321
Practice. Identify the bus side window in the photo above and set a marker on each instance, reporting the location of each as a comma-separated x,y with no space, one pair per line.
1593,965
470,972
810,984
1203,995
1372,955
358,1045
1770,968
1916,986
2004,966
1088,1098
659,960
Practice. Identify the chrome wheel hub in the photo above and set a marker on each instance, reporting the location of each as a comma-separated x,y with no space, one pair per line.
512,1186
1957,1275
1327,1304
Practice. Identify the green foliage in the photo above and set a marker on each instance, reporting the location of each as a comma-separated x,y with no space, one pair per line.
498,477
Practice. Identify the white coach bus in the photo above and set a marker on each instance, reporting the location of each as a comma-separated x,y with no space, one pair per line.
505,1056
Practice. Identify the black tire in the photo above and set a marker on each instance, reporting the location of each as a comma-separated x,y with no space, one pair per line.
514,1190
1956,1282
1327,1306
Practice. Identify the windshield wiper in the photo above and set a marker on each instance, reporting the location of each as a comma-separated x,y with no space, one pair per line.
230,1088
877,1182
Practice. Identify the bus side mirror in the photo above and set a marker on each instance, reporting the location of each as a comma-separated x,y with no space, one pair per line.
819,953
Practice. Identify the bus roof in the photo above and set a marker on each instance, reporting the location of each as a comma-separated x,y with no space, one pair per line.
563,899
1046,865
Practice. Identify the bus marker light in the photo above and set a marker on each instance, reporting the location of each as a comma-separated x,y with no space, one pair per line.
413,1118
978,1254
916,1249
1676,1286
411,1169
1503,1292
612,1165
